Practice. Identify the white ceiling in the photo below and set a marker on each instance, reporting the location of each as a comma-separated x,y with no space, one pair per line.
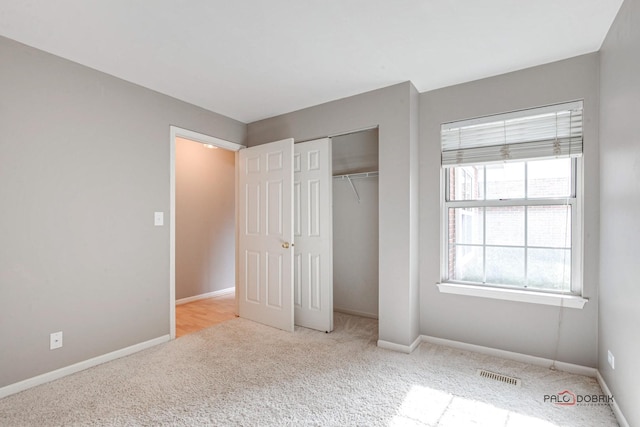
253,59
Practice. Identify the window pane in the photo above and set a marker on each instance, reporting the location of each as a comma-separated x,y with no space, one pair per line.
466,183
549,226
549,178
549,269
505,181
465,225
505,266
505,226
465,263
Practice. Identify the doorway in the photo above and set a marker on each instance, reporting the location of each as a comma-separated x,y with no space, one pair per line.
202,230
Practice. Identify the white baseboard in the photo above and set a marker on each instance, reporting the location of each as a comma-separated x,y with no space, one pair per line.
355,312
614,407
400,347
518,357
219,293
80,366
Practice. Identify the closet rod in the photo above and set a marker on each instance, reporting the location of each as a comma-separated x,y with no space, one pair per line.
357,175
350,176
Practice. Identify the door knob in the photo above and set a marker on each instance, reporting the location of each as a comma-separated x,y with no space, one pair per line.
286,245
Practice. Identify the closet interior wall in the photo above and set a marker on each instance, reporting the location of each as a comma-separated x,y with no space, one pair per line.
355,223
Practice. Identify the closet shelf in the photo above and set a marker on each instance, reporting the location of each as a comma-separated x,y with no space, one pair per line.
351,176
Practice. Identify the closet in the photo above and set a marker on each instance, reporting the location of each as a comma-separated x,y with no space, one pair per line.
355,223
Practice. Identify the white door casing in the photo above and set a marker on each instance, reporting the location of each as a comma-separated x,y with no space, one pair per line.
265,245
313,231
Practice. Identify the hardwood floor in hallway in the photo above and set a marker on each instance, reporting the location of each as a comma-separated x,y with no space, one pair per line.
201,314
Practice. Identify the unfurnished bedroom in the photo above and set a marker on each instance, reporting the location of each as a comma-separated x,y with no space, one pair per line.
319,213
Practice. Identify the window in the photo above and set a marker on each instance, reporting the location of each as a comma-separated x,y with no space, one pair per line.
512,203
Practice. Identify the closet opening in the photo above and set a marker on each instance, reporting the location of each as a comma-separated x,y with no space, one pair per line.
355,223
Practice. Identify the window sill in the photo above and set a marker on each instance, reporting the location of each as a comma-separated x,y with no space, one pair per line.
571,301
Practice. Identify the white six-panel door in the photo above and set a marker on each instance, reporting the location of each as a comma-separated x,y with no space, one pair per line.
265,234
313,231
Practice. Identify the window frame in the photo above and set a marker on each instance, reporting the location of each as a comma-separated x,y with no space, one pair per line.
572,298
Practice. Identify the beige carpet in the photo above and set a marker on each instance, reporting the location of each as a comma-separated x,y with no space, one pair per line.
243,373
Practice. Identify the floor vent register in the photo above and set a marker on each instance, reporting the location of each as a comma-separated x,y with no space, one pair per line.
499,377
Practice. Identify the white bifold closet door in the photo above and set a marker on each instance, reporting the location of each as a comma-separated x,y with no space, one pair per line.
313,235
285,258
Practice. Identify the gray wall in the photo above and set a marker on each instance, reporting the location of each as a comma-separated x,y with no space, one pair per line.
205,219
519,327
620,209
84,165
355,225
392,110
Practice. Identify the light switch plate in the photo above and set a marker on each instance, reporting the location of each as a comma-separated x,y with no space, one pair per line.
158,218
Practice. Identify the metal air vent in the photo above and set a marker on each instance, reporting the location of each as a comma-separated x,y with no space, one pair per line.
499,377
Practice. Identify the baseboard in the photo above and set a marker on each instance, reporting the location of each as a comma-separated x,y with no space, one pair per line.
355,312
80,366
219,293
400,347
518,357
614,407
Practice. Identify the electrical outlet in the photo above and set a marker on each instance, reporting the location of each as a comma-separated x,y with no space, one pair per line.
55,340
611,359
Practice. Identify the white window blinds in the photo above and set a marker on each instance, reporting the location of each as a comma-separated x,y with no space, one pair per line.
553,131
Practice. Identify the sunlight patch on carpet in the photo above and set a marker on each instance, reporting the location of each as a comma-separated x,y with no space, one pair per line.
424,406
